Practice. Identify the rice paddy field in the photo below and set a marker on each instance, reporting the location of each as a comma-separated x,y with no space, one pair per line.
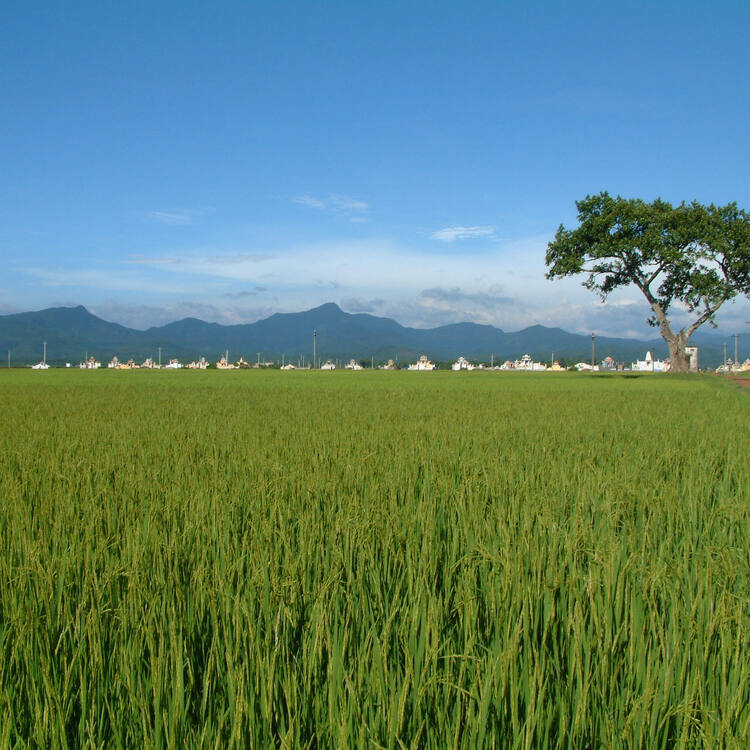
382,560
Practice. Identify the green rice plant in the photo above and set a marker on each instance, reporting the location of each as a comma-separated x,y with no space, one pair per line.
393,560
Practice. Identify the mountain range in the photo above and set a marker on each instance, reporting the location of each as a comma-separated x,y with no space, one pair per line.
71,332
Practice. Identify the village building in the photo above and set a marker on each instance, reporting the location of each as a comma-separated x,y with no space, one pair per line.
462,364
649,364
525,364
692,355
422,364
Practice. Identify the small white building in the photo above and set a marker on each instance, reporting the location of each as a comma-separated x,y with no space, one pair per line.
222,364
462,364
174,364
329,365
353,365
389,365
422,364
649,364
40,366
525,364
692,355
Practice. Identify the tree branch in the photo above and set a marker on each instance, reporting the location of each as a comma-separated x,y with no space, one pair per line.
709,312
655,306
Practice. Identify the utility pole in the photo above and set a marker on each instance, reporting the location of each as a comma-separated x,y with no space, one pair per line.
725,355
282,360
372,362
736,351
259,360
9,359
492,360
315,347
593,350
159,357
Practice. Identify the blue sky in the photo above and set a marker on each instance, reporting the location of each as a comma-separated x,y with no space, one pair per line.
231,160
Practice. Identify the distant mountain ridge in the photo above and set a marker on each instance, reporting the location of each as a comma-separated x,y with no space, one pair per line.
71,332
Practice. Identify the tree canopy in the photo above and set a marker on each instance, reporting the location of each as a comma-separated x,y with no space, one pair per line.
693,255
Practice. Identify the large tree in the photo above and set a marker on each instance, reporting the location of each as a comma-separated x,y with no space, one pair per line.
693,256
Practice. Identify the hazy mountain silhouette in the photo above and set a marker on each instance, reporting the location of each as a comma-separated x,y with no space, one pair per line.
70,332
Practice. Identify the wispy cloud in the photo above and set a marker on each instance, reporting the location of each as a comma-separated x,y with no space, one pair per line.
308,200
501,284
175,216
140,260
111,280
451,234
359,305
240,258
453,297
143,316
353,208
239,295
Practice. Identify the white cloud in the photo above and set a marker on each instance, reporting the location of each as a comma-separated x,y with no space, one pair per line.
501,285
112,279
175,217
451,234
143,316
336,203
308,200
344,203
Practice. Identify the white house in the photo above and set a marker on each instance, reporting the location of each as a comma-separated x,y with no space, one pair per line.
649,364
525,364
462,364
328,365
174,364
422,364
353,365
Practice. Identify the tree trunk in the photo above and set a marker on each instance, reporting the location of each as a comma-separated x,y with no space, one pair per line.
678,359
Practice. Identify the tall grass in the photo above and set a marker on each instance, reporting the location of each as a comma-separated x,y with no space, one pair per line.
382,560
